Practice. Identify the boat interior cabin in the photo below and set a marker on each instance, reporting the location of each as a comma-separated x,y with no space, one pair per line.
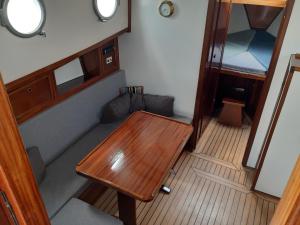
136,112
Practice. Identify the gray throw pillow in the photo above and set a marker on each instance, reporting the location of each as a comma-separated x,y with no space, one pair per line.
162,105
37,164
117,109
137,103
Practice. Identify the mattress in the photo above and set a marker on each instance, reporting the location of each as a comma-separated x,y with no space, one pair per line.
249,51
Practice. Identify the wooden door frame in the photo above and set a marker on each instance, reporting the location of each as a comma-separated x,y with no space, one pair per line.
16,177
266,86
269,78
203,68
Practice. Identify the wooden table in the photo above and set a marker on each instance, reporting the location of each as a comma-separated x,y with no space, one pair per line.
135,159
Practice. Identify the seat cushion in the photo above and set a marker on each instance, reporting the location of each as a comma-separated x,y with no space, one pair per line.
77,212
161,105
117,109
61,182
37,164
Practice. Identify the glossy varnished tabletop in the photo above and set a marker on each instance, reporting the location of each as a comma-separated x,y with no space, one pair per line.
136,157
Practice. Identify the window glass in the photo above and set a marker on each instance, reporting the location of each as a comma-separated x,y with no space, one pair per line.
106,8
24,17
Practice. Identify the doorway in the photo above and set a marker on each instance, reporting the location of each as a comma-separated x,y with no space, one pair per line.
238,61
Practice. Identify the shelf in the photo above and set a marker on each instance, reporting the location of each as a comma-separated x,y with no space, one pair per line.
66,87
235,73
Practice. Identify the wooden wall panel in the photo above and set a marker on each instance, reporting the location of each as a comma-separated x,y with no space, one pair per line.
261,17
288,210
16,177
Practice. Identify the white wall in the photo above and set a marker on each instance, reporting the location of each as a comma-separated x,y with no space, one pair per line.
290,46
163,54
238,19
71,26
285,145
274,28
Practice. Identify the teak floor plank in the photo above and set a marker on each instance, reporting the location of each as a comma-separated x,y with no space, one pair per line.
205,190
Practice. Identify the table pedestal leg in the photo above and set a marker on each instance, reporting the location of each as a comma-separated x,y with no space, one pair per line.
127,209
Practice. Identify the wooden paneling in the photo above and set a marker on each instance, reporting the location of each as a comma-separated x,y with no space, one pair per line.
288,210
274,3
261,17
90,63
137,156
217,22
16,178
109,51
251,76
37,92
30,95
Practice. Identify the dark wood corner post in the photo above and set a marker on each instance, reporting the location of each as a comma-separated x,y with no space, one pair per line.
217,23
204,58
129,15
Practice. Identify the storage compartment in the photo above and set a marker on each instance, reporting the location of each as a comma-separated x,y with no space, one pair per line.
27,97
50,85
110,58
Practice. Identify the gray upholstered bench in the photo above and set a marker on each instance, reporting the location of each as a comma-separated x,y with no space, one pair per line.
77,212
61,182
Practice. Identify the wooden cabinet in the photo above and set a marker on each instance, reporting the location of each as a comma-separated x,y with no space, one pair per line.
109,58
38,91
29,96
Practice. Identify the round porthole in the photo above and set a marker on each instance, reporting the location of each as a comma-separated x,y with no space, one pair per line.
106,9
24,18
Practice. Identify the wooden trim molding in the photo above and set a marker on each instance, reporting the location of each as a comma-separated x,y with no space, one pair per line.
251,76
27,103
16,177
273,3
288,209
129,15
294,65
269,78
203,68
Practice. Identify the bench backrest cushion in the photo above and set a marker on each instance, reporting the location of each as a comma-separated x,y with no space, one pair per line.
60,126
37,164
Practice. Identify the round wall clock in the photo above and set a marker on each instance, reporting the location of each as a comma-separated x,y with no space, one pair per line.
166,8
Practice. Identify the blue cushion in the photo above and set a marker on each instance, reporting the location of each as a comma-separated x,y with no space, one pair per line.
262,47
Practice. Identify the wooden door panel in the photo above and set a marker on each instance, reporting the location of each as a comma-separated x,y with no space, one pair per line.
218,38
214,39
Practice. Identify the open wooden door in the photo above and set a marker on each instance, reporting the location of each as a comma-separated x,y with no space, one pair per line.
217,23
20,200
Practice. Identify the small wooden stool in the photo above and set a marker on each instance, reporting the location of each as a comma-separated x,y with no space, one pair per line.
232,112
